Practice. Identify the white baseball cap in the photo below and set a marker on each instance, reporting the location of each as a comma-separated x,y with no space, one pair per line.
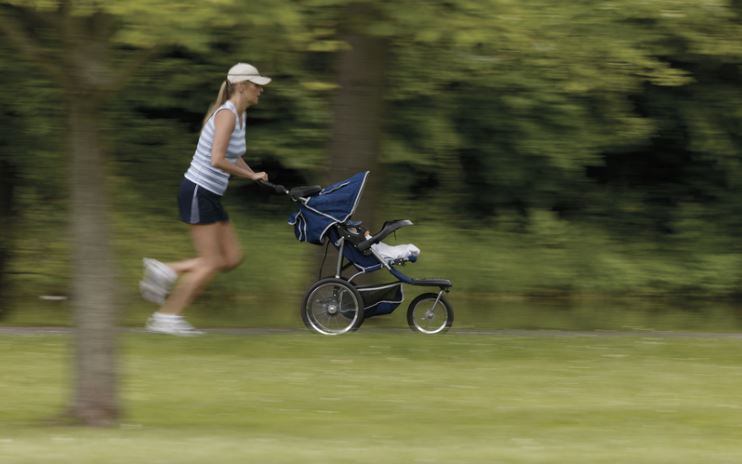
246,72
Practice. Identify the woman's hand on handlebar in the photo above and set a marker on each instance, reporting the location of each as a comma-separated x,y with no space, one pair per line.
260,177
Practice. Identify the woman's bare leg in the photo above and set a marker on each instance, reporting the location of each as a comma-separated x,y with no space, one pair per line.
181,267
197,271
230,247
230,251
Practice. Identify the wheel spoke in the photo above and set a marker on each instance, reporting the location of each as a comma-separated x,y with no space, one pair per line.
332,308
428,320
429,314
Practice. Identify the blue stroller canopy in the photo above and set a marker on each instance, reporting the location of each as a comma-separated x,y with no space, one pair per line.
334,204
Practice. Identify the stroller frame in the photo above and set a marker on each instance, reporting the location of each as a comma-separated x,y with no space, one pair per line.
337,305
429,313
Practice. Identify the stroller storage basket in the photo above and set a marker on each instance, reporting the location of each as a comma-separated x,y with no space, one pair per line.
381,299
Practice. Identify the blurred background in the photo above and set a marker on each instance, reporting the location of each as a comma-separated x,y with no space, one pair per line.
567,164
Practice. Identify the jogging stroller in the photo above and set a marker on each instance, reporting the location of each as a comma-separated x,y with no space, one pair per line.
337,305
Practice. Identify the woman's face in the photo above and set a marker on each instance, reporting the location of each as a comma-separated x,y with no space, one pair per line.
252,92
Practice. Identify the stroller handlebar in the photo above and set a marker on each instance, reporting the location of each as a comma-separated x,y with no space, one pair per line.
296,192
277,188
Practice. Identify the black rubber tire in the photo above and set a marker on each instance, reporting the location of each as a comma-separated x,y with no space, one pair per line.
443,310
332,307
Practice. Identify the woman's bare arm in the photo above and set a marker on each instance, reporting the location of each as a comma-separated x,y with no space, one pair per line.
224,124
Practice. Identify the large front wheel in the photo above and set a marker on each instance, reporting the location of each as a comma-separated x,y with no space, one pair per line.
430,313
332,307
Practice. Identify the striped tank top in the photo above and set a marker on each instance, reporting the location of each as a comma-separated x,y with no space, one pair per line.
201,172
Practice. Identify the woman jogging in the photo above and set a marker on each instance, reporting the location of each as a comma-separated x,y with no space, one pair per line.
218,155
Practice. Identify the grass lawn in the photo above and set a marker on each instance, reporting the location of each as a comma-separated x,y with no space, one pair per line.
386,397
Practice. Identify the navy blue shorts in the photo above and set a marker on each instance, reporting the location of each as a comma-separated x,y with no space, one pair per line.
198,205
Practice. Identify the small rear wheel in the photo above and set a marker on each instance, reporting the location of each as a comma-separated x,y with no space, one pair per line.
430,314
332,307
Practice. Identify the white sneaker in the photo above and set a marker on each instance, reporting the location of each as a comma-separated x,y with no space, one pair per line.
157,282
152,293
171,325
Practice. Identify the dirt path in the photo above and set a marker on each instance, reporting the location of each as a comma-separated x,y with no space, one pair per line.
460,332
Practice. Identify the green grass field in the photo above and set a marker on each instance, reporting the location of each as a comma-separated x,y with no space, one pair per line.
387,397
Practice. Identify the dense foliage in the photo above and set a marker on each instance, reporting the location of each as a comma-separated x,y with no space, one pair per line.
613,121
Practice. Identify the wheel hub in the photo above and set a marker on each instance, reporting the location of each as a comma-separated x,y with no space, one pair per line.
331,308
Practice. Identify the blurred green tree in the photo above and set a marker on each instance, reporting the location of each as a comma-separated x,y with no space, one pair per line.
505,105
91,49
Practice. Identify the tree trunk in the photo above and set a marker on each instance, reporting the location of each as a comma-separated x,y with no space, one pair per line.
357,115
8,182
358,108
95,399
95,394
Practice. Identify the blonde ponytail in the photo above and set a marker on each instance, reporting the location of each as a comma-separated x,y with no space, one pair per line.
225,91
